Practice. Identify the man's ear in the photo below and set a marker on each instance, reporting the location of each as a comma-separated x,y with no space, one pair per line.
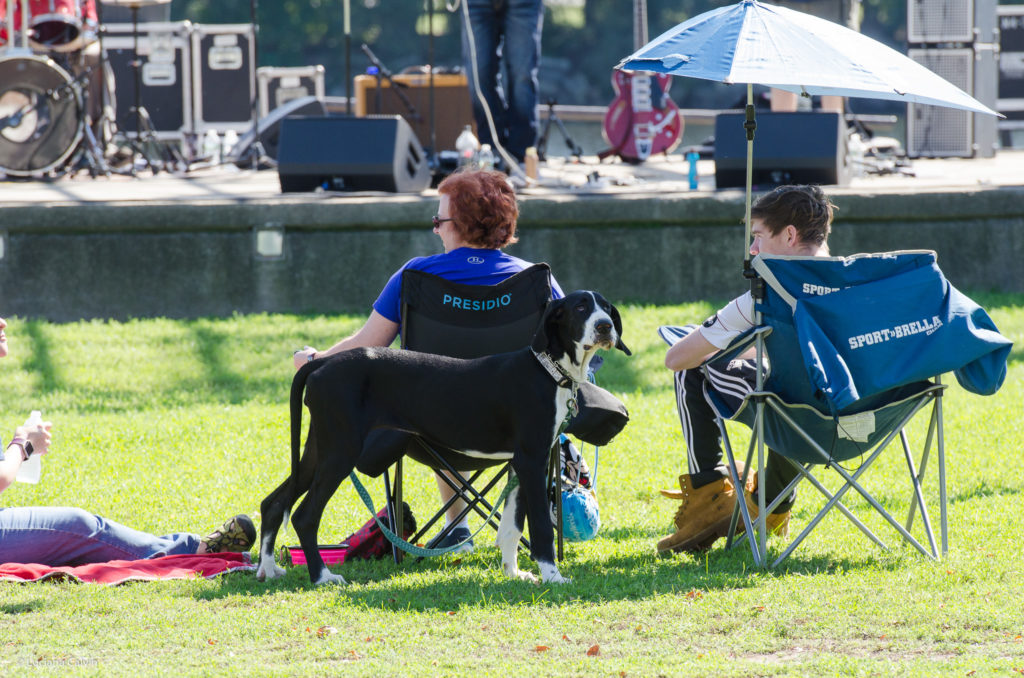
545,340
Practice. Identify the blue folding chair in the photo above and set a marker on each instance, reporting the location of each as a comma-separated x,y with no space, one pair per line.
855,348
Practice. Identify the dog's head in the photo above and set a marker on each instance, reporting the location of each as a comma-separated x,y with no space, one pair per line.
574,327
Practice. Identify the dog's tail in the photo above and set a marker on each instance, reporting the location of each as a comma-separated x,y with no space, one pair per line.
298,388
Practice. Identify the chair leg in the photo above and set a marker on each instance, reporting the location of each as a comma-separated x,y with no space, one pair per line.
395,511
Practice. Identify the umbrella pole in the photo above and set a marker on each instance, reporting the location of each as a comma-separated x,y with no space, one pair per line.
749,125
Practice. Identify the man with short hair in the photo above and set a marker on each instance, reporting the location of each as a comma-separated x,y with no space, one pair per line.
791,220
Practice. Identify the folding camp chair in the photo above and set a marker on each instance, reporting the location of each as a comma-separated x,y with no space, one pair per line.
463,321
855,348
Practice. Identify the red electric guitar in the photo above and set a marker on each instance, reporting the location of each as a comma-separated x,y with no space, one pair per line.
642,119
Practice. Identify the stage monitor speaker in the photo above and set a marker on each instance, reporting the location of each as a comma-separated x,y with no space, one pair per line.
378,153
452,109
789,148
269,129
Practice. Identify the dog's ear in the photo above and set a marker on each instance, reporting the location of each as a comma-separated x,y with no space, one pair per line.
546,339
617,322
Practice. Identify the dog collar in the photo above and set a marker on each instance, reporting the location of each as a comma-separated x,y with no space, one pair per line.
557,372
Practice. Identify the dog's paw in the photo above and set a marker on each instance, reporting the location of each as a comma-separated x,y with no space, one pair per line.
327,577
268,570
549,574
512,571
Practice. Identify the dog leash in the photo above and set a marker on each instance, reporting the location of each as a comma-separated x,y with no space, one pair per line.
421,551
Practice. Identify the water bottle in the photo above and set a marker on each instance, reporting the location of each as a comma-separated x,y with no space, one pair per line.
486,157
211,146
230,141
466,145
30,469
693,157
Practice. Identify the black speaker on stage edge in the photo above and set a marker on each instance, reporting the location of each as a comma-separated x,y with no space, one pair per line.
340,153
789,148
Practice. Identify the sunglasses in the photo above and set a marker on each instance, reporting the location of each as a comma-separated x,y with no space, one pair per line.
437,221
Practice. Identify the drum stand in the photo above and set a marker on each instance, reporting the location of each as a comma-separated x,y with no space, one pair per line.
91,154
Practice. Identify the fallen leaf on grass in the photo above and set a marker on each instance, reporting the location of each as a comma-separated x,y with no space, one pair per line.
211,641
565,637
594,650
450,612
694,594
971,673
541,648
325,631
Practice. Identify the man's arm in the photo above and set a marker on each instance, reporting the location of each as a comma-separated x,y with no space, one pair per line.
689,352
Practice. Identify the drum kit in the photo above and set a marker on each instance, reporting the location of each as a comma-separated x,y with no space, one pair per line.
46,128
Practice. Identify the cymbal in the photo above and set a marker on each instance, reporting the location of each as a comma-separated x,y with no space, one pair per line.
135,3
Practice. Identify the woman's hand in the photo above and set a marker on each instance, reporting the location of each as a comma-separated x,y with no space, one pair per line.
303,356
38,436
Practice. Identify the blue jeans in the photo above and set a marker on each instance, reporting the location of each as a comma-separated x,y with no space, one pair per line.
70,536
506,34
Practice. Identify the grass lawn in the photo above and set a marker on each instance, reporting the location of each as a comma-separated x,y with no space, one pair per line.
170,425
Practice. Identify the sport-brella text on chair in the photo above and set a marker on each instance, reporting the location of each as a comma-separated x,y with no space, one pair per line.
761,44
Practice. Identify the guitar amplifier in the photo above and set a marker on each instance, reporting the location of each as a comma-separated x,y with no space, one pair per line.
452,108
223,76
278,86
165,76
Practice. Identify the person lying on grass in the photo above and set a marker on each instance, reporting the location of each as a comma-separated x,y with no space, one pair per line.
59,536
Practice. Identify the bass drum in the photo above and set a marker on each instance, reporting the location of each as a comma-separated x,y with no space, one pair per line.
40,116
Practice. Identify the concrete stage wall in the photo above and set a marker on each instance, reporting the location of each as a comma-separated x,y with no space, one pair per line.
187,260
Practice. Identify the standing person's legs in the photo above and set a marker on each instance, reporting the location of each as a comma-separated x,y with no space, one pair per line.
524,21
485,23
58,536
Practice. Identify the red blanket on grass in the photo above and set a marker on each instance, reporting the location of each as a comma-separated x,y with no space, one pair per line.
119,571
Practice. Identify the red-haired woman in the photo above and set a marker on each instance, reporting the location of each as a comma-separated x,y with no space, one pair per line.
476,218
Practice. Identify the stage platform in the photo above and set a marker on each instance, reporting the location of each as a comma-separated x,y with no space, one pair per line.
559,178
196,244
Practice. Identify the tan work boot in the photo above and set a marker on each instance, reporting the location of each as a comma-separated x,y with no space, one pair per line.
702,517
777,523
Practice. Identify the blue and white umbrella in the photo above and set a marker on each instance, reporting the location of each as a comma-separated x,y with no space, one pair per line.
757,43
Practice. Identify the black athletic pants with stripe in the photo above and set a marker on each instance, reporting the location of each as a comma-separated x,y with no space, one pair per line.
703,439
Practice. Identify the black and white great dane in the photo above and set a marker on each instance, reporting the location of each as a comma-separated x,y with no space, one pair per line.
504,406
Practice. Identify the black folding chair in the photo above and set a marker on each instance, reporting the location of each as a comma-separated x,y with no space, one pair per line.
464,321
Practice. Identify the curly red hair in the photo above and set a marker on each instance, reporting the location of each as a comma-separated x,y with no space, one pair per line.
483,207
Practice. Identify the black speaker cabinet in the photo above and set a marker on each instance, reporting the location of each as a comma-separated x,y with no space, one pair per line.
165,75
269,129
377,153
789,148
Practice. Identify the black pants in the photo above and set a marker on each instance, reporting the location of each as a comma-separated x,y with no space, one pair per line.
703,438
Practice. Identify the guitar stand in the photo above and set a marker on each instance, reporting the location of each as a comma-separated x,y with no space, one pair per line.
542,141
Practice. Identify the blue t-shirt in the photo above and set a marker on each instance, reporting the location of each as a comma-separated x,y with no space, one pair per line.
463,265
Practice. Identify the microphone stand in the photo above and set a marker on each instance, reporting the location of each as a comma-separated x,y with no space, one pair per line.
255,151
396,87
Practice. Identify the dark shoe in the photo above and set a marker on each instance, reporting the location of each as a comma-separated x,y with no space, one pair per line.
456,536
236,535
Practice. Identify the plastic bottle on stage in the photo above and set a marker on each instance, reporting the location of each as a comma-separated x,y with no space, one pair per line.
530,162
211,146
230,141
693,157
32,467
467,145
485,159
